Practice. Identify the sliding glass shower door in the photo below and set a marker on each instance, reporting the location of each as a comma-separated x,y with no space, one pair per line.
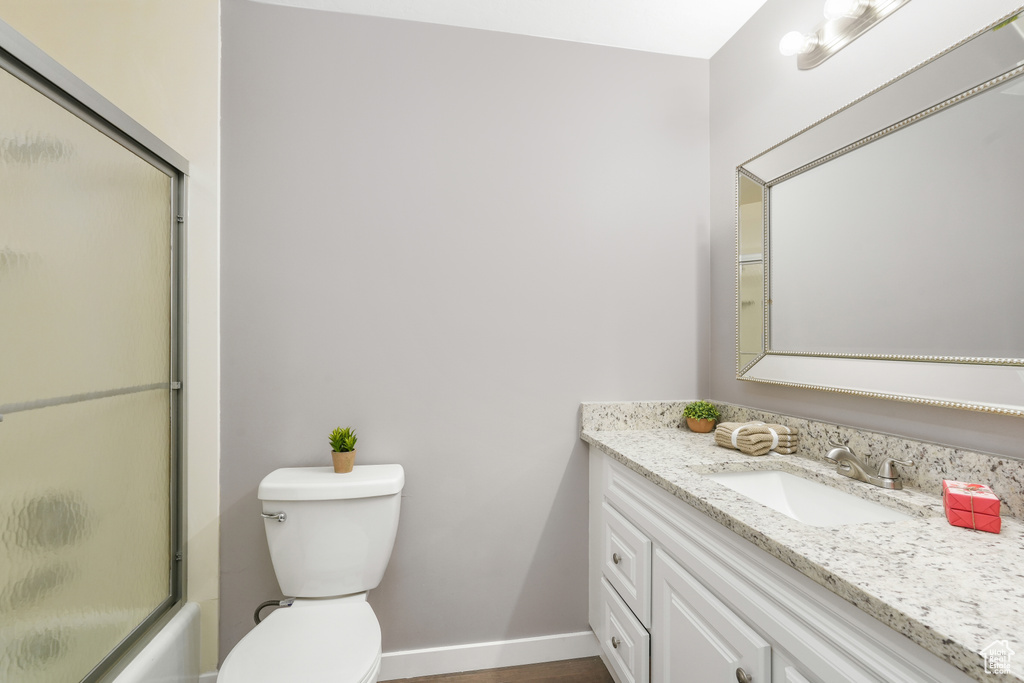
88,384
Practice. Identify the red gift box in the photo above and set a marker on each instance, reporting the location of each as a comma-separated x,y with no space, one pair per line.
969,520
976,496
964,496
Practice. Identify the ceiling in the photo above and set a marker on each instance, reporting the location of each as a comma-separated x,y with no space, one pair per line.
689,28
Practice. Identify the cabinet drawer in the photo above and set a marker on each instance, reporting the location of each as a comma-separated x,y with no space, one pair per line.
626,562
623,638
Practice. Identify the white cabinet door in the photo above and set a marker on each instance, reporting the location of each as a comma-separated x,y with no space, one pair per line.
695,638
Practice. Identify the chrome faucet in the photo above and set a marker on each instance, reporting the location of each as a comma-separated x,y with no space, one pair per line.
851,466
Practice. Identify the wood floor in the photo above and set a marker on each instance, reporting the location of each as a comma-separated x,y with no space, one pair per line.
587,670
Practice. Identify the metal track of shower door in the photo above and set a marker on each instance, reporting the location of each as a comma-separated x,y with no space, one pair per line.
79,398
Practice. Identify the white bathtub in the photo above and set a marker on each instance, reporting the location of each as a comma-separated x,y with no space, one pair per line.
173,654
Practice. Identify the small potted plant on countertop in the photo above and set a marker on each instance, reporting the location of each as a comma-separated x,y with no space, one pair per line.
343,449
701,416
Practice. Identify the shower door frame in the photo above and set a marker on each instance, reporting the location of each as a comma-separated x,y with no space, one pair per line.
25,61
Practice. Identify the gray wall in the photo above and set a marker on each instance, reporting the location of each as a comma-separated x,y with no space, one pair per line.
448,238
759,98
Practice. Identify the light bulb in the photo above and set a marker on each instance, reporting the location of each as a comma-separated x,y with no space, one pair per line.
796,43
838,9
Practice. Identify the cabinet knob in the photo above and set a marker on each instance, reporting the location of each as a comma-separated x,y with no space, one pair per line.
615,642
615,558
743,677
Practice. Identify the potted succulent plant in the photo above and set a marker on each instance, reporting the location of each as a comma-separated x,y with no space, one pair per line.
701,416
343,449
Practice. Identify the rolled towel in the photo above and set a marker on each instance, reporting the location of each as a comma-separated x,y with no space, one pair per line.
757,438
762,448
748,430
734,434
764,438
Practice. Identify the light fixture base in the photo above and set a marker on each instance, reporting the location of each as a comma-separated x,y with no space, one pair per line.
836,34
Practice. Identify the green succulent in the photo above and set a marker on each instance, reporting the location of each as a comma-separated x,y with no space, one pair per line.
343,440
701,410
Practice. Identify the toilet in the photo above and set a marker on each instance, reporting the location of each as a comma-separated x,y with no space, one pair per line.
330,538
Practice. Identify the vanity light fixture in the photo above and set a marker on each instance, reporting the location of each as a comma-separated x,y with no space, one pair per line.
845,21
796,43
848,9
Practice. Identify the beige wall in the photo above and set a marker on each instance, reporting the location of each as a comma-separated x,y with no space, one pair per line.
159,61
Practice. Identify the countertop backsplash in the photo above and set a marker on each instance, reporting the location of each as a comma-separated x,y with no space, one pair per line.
932,462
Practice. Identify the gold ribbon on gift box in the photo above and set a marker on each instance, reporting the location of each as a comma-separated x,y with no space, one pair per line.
969,489
974,522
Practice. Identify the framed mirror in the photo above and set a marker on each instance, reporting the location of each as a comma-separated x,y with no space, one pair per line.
879,251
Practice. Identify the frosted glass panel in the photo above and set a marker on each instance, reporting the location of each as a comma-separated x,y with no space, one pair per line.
84,531
86,442
84,255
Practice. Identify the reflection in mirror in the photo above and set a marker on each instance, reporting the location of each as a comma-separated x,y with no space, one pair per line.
990,53
750,245
893,239
929,265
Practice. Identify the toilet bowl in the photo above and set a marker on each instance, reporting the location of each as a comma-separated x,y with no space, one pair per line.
311,641
330,538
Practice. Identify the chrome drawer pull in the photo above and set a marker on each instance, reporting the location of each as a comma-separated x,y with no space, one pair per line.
279,516
615,642
615,558
743,677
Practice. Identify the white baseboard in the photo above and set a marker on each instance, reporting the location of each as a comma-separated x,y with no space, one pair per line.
208,677
471,657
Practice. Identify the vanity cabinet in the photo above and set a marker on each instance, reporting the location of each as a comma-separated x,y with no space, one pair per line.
676,597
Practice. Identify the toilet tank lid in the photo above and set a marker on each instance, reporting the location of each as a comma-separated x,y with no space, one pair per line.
322,483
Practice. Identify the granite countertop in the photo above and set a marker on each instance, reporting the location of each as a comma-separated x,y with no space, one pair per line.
953,591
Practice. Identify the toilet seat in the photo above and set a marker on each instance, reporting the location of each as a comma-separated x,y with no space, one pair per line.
313,641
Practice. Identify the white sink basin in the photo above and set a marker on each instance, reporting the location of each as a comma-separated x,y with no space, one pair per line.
804,500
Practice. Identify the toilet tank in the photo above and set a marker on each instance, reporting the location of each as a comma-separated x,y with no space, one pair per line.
337,530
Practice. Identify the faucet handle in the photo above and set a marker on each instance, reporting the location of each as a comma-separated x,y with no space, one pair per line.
837,448
888,470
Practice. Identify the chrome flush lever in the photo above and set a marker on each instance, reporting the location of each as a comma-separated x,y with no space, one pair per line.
279,516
